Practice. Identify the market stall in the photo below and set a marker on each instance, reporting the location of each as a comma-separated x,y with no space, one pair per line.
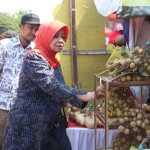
123,110
136,27
87,43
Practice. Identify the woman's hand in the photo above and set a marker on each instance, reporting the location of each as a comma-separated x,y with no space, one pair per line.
100,91
86,97
91,95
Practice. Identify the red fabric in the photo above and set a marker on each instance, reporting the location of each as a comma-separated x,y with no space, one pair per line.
113,35
43,39
111,16
73,124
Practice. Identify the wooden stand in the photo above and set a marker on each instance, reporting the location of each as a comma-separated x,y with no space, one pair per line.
108,85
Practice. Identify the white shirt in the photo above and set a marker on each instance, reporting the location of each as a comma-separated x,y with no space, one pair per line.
11,58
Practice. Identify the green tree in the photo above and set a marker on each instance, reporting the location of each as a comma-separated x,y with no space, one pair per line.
17,15
7,23
10,22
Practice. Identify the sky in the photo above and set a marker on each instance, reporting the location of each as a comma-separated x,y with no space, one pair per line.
44,8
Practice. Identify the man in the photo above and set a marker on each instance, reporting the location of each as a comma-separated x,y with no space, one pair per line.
8,34
11,56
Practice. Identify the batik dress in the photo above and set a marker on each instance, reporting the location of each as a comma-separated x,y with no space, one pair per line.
40,94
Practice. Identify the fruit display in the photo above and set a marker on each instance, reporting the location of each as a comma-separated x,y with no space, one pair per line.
132,120
125,111
127,137
146,107
134,132
131,66
120,101
84,117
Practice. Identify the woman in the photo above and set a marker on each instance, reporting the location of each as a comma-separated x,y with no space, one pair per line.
41,91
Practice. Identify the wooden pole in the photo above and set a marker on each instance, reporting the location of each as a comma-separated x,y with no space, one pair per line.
106,115
73,43
95,114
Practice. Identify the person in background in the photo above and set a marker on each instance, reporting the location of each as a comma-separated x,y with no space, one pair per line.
8,34
116,38
41,92
11,54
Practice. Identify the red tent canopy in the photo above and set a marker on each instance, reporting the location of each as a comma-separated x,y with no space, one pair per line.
112,17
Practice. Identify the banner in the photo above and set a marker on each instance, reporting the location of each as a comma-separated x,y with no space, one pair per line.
137,7
135,2
107,7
